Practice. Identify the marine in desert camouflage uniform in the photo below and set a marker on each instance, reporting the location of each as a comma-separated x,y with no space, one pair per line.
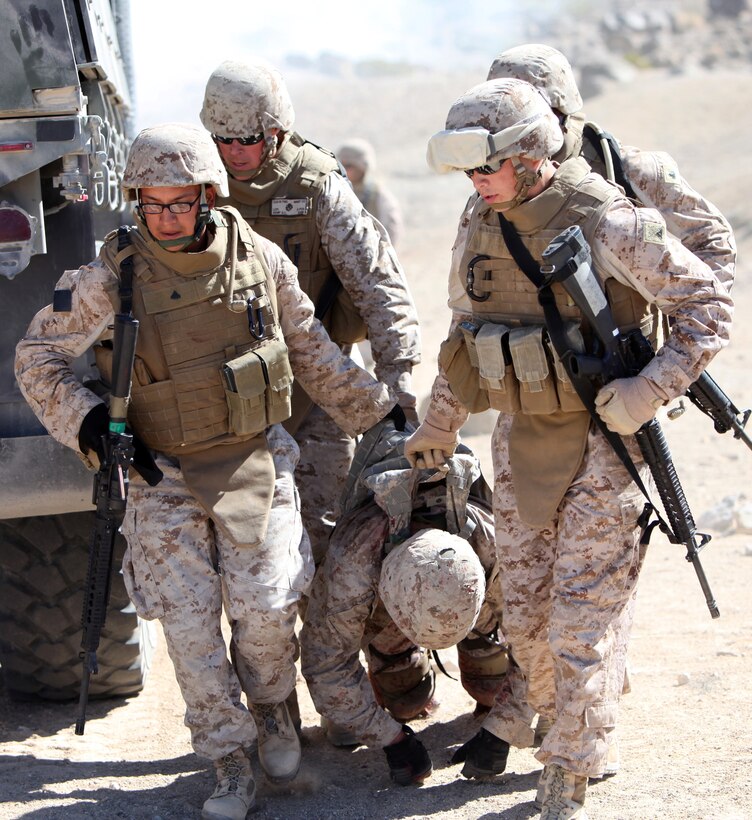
388,502
358,158
223,526
294,193
651,178
566,511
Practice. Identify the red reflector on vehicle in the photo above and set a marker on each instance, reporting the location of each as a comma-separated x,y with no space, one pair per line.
14,225
16,146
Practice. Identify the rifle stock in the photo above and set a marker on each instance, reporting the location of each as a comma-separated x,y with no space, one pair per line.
110,496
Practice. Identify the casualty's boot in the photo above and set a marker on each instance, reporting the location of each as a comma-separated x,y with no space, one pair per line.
236,789
278,742
563,795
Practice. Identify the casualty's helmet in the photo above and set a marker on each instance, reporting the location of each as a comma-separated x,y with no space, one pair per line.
545,68
173,154
246,98
493,121
433,586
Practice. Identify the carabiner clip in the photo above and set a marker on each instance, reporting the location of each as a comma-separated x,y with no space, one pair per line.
470,278
256,324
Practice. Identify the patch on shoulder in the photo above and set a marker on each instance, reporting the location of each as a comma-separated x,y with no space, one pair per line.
62,300
670,174
654,232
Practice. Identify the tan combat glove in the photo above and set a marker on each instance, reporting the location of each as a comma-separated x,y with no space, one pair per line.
626,404
431,444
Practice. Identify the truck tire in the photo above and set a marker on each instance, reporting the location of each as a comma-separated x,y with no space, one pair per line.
43,563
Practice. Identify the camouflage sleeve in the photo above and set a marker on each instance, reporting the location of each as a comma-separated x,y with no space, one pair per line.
342,598
44,356
349,394
632,245
365,262
691,218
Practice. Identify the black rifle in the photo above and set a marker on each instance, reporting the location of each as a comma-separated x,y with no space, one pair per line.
567,260
109,497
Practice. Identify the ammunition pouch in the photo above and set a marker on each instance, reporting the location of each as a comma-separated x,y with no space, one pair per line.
509,369
258,387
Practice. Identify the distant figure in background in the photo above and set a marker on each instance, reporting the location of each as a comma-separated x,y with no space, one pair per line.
359,160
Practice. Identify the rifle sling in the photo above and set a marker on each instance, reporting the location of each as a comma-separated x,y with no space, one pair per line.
582,384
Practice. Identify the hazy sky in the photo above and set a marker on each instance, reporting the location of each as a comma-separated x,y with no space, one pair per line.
178,43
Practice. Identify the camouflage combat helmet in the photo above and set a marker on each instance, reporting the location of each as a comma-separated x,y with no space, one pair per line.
514,112
173,154
495,121
433,586
246,98
545,68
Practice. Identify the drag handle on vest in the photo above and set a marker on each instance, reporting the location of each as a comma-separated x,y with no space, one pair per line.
567,260
109,497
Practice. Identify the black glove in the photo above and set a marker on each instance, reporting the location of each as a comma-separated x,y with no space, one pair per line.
408,760
96,424
397,415
483,755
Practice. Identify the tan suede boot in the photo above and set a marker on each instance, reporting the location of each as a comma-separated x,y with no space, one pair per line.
236,789
563,795
278,742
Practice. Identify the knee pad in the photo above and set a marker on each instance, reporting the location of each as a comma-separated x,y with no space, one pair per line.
405,684
483,665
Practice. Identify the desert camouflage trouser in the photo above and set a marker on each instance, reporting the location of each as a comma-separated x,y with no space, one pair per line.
326,453
179,568
566,592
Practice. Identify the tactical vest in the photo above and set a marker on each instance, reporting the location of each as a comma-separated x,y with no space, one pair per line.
504,359
281,204
211,363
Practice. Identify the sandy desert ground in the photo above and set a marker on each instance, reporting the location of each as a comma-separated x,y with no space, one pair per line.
685,728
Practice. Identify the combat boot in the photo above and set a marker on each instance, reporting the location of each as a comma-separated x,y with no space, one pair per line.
236,789
563,794
278,742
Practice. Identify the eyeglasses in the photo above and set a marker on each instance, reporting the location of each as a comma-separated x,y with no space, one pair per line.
486,170
254,139
155,208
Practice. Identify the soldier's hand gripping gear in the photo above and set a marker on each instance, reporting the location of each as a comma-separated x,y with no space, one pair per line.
567,514
408,759
223,326
295,194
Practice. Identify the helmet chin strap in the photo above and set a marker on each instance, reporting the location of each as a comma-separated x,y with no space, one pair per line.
203,218
525,179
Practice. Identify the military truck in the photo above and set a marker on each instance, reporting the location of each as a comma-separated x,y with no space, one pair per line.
65,109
